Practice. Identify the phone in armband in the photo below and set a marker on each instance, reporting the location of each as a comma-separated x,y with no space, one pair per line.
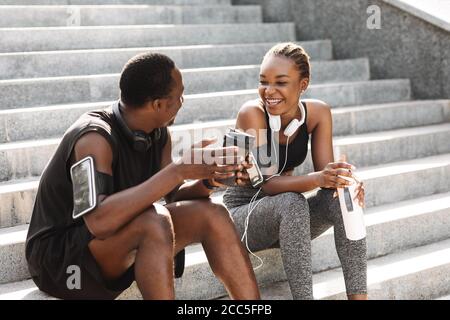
82,174
245,142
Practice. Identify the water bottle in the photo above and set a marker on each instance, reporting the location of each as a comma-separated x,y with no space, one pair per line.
352,213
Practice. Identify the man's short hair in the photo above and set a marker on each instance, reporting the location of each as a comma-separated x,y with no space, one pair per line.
146,77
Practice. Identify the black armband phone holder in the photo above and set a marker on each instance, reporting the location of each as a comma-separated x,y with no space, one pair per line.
87,185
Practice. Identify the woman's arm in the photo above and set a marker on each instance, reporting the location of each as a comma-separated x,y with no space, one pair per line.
321,127
320,123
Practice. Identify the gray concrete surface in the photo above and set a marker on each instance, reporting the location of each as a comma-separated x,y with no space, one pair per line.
389,277
405,46
198,80
101,61
26,124
64,16
25,94
64,38
112,2
29,158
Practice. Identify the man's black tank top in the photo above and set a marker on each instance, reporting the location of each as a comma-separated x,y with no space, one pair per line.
52,212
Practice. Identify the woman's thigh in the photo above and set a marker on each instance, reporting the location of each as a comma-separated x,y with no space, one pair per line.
262,230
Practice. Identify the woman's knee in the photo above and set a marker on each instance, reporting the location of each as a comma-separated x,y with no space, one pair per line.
291,203
331,202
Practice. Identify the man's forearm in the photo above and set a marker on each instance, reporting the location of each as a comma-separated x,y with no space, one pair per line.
120,208
191,190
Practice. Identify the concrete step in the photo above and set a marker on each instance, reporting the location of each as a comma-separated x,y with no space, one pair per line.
396,145
415,273
384,184
376,148
198,80
114,2
16,201
103,61
389,116
198,106
26,124
12,254
29,158
404,180
392,228
66,38
60,16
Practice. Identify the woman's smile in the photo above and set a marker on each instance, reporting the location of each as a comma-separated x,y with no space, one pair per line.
273,102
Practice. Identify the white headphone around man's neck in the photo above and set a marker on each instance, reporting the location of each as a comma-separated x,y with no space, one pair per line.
275,122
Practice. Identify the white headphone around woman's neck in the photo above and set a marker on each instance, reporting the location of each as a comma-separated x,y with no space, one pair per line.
275,122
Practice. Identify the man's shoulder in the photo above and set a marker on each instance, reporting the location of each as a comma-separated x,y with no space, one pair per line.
96,120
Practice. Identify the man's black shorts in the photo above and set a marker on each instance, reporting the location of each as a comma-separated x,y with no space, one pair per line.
51,264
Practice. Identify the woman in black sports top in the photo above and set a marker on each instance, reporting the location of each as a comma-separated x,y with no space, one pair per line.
283,216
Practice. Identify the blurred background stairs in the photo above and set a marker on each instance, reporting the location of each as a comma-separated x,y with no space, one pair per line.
59,59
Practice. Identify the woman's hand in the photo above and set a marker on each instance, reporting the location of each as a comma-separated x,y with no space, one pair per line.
330,178
360,193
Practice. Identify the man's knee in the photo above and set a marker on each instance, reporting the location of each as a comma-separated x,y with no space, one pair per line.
155,224
215,214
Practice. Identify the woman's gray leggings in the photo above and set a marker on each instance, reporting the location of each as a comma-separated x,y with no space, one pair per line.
290,221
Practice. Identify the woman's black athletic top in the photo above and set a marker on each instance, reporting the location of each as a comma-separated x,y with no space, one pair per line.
297,152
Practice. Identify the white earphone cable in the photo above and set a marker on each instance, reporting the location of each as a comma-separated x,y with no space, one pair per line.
252,206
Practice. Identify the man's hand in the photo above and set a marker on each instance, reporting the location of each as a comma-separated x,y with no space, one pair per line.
201,162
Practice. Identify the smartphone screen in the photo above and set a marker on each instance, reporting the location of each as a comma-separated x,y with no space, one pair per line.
254,173
84,195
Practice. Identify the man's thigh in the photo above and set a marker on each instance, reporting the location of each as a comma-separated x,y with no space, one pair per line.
191,220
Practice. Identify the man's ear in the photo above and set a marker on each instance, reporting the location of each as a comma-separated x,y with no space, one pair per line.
158,104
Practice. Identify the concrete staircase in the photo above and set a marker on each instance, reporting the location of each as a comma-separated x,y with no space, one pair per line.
52,71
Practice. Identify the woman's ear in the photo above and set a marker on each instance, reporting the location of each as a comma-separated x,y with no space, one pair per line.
304,83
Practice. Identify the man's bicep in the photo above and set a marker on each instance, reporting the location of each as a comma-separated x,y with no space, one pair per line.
95,145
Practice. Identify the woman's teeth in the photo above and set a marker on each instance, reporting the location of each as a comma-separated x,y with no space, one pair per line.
273,102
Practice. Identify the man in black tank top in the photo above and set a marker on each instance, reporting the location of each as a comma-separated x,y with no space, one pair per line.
129,236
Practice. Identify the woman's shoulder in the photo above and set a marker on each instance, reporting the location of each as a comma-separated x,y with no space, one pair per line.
318,111
252,115
316,104
252,106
